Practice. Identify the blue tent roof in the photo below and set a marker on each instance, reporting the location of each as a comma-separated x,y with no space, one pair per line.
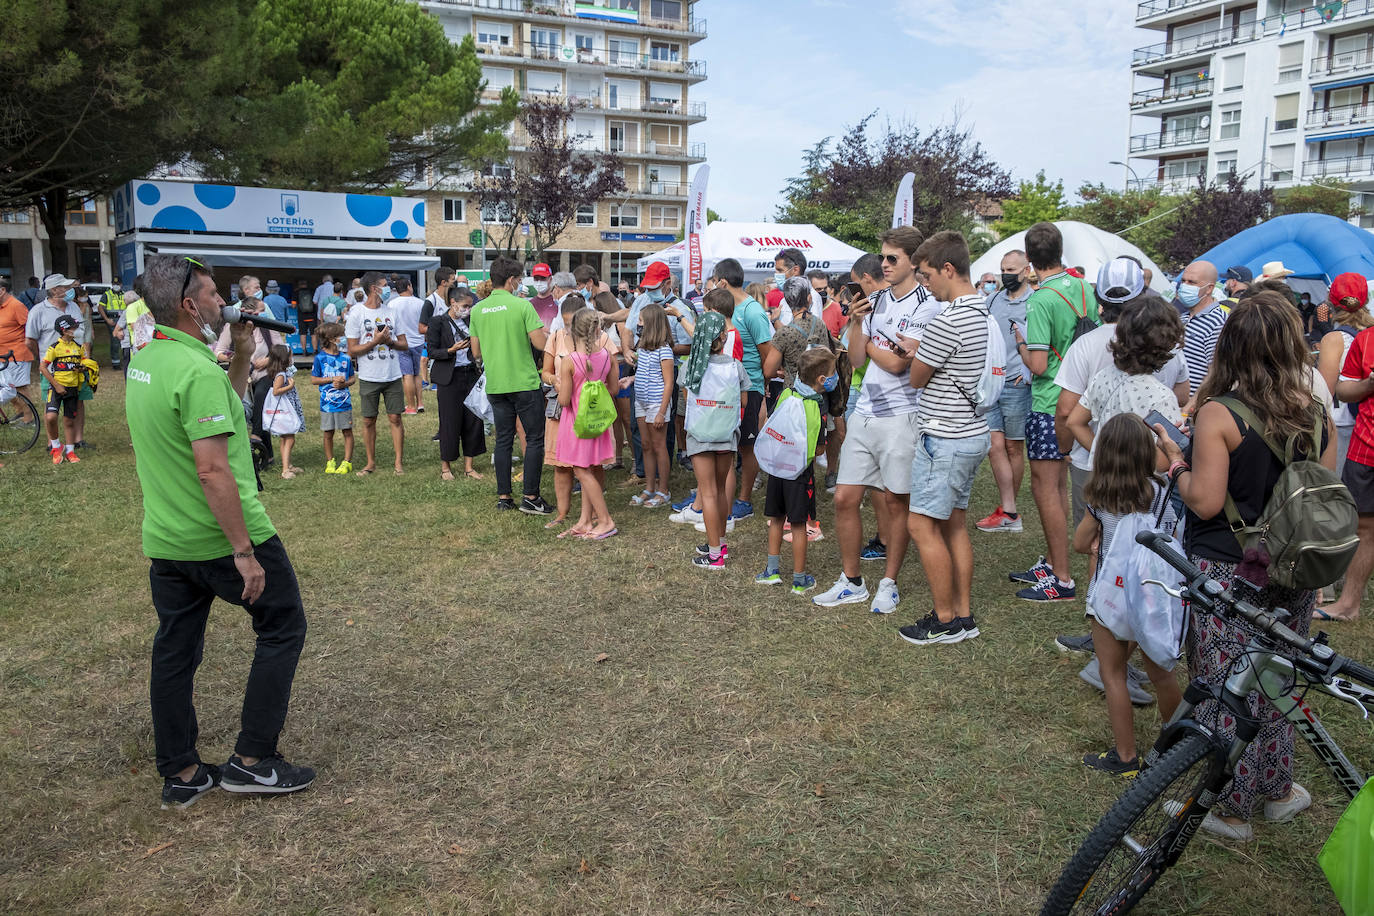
1312,245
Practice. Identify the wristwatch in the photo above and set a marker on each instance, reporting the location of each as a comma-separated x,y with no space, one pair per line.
243,554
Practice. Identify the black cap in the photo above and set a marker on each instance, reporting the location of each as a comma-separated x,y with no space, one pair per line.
64,321
1240,272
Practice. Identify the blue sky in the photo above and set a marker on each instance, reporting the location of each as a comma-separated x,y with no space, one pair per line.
1042,85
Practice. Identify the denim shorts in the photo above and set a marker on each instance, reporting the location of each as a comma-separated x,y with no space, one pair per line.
1009,416
1041,444
942,472
409,360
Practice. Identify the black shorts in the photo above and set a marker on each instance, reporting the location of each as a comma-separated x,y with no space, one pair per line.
1359,480
791,499
749,423
67,403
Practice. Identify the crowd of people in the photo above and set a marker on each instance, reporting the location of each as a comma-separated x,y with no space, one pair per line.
872,386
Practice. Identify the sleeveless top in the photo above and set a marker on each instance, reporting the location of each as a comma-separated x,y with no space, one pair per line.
1254,470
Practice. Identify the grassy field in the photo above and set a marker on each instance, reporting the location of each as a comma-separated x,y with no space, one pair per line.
505,723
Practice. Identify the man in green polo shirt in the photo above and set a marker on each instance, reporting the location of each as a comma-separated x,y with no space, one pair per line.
503,327
208,536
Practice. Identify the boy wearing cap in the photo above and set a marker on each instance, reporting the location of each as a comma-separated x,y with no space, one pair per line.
545,305
62,370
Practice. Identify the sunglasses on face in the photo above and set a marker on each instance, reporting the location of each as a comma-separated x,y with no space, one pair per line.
889,259
191,265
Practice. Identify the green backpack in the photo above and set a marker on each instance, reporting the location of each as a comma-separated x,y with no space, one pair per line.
595,408
1308,525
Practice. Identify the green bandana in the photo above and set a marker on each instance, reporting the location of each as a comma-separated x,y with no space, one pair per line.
704,336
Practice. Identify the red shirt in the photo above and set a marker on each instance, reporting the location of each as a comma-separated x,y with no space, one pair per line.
774,298
1359,362
834,318
13,315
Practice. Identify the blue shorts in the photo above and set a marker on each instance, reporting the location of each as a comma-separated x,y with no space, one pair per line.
410,360
1009,416
1041,444
942,472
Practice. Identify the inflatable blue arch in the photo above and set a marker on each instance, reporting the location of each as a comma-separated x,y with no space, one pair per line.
1312,245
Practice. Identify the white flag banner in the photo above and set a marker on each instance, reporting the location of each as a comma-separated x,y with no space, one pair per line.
696,222
902,210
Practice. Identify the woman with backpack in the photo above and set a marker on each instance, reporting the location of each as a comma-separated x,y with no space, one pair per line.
1258,392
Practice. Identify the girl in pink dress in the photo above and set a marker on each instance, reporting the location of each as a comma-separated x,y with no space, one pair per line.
587,362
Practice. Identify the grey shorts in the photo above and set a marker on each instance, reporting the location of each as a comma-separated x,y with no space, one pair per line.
1009,416
391,393
336,419
409,360
877,452
694,446
942,472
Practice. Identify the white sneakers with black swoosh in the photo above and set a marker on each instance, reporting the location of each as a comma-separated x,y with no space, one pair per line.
269,776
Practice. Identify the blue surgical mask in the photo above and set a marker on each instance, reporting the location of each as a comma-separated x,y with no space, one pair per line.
70,295
804,389
779,280
656,295
989,288
1189,294
386,293
830,382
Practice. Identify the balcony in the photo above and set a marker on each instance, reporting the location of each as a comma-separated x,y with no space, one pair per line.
1164,95
693,28
597,58
1149,9
1348,167
1173,184
1340,116
1170,139
1270,26
1336,66
597,102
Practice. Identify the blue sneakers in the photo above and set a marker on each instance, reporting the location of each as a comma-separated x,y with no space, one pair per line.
803,583
1040,570
741,510
1050,589
873,550
684,503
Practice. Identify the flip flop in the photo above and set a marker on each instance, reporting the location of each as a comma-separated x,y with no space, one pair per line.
445,475
365,472
601,537
571,532
549,526
473,474
1319,614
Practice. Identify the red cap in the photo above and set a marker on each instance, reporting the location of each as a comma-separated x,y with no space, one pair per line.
541,270
655,275
1349,286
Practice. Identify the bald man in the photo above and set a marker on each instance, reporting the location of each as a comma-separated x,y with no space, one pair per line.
1203,320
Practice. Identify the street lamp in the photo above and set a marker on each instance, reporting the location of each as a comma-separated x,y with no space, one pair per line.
1129,169
620,238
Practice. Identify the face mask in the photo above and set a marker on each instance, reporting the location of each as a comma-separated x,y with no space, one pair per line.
1189,294
1011,282
830,382
70,295
989,288
779,280
386,293
804,389
655,295
541,286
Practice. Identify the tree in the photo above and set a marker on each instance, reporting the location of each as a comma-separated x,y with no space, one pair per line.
1213,213
100,92
1038,202
552,178
353,95
848,190
1143,218
1332,196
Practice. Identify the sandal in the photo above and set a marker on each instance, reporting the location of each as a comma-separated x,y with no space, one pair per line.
549,526
445,475
366,471
642,499
472,474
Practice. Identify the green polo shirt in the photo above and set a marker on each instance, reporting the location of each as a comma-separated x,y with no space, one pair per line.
1052,312
502,324
176,393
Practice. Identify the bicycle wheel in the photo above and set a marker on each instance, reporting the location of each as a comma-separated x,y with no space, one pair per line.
1127,851
19,423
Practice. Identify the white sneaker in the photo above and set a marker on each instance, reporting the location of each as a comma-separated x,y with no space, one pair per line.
885,601
729,525
842,592
688,516
1278,811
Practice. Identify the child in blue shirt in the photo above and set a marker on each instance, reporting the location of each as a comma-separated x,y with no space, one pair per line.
333,372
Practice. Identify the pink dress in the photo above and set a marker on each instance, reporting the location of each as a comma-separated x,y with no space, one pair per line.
572,449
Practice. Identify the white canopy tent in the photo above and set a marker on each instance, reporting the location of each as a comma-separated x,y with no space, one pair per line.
1084,246
755,245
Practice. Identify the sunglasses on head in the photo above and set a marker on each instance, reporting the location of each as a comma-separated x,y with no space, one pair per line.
191,265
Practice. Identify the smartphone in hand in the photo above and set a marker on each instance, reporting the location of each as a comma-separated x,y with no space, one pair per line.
1180,438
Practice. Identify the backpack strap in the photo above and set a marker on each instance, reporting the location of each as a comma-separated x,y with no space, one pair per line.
1285,455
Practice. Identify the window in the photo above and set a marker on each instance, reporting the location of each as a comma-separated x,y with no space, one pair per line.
546,42
623,136
453,209
622,94
665,217
14,216
1281,162
665,9
1366,204
1230,123
586,215
494,34
1286,112
665,138
1185,169
1233,72
1290,63
664,51
623,51
84,214
544,81
585,45
497,170
498,78
1226,163
624,216
496,213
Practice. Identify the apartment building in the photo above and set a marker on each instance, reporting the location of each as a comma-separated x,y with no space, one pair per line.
1276,89
627,64
90,235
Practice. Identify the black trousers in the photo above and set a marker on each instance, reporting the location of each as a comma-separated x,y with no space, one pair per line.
182,594
529,407
260,390
460,430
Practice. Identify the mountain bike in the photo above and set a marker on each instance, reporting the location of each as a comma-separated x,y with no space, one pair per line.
1185,773
19,421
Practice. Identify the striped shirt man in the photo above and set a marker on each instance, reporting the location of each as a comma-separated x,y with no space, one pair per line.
1200,333
955,343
